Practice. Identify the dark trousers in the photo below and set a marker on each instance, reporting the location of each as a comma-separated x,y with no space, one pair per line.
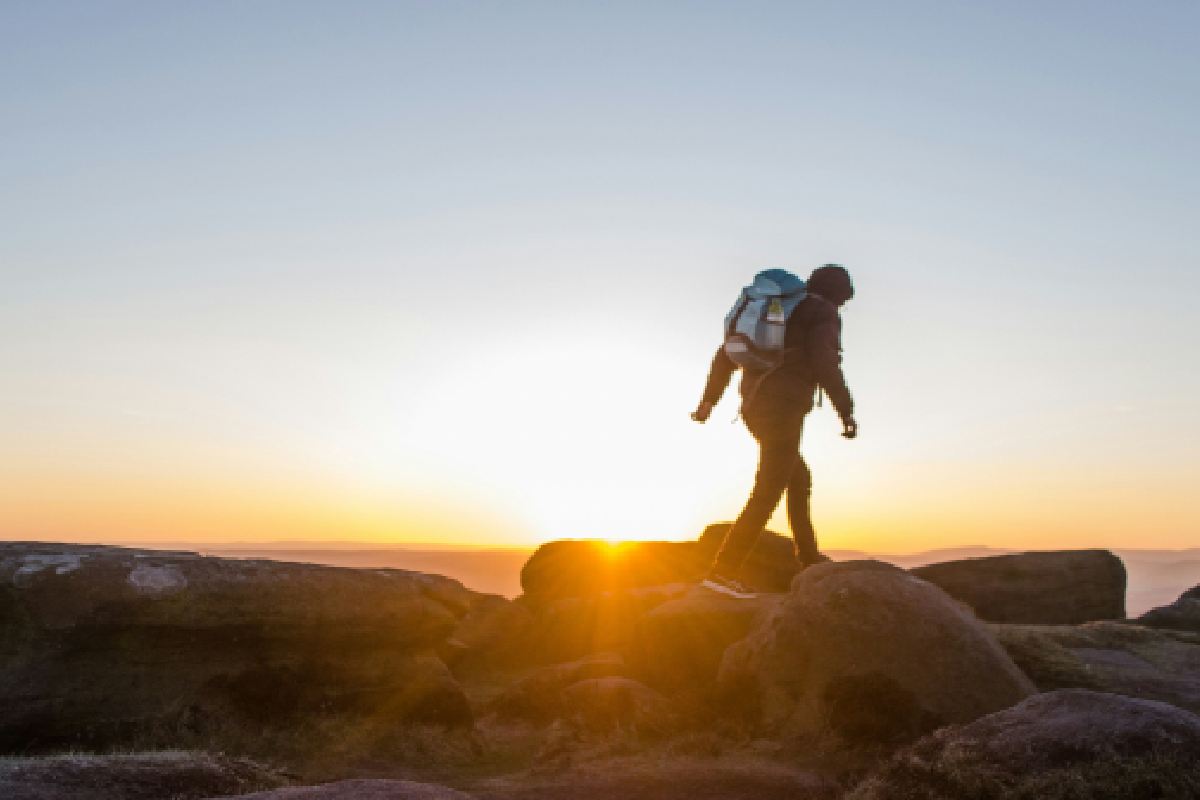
781,469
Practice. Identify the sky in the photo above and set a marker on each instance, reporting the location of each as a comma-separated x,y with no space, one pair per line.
453,272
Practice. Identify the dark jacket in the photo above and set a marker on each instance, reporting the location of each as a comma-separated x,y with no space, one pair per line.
812,358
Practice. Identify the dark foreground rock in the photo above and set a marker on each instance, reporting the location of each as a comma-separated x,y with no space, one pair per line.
149,776
871,653
1109,656
105,646
668,779
1070,743
1065,587
1182,615
358,790
583,568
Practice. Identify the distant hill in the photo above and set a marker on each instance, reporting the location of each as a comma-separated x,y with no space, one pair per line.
1156,577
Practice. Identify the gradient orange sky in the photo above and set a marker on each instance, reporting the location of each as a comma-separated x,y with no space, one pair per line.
453,272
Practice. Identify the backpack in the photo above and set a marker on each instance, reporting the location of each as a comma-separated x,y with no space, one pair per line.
755,326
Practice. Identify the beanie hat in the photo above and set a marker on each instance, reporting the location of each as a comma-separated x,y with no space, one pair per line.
832,282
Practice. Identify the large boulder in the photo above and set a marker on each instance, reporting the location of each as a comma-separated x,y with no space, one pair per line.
1065,587
101,646
131,776
586,567
1070,743
1110,657
871,653
679,644
1182,615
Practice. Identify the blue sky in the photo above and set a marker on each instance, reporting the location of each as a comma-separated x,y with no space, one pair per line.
340,250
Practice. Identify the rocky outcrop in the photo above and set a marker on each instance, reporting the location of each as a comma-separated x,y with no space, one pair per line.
871,653
678,645
1182,615
584,568
101,645
1110,657
145,776
1070,743
1042,588
358,790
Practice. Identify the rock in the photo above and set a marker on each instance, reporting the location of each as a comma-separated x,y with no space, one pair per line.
142,776
573,627
1182,615
538,697
583,568
1066,587
1070,743
359,790
1110,657
871,653
493,634
616,703
679,644
770,565
103,646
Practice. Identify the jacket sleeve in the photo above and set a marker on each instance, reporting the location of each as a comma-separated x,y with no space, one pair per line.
824,348
718,376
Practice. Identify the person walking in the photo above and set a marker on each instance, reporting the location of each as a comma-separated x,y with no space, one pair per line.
775,402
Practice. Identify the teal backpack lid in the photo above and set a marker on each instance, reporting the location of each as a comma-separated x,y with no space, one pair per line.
777,281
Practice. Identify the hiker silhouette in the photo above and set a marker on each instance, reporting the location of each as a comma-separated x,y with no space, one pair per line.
775,400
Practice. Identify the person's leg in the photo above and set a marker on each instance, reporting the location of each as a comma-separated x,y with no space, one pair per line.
799,492
777,455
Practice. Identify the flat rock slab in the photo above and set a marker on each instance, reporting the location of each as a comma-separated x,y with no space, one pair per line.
585,567
148,776
1065,587
359,790
110,647
1109,656
680,779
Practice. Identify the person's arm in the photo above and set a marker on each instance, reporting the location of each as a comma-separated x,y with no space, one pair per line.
719,375
824,348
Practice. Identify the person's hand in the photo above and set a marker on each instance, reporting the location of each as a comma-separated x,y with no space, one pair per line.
702,411
849,428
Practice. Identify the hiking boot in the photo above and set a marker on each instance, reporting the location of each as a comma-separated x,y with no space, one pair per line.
727,586
803,564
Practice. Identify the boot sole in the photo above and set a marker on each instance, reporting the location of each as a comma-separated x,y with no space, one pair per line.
725,590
